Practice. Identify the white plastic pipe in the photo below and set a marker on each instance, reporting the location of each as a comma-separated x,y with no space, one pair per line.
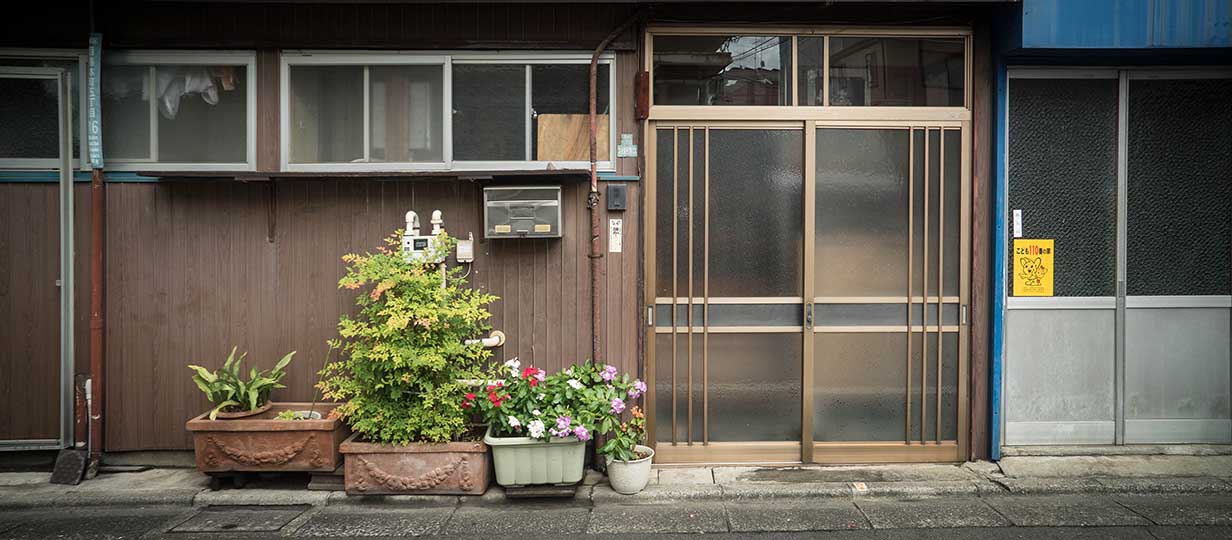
496,339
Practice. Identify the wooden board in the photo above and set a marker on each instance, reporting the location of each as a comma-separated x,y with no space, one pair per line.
566,137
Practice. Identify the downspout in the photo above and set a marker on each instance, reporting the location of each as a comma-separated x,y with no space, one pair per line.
98,208
1000,120
592,198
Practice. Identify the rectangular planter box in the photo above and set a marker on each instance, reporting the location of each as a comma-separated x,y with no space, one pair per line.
522,461
260,443
456,468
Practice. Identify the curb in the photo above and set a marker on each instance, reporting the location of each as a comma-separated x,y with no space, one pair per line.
602,494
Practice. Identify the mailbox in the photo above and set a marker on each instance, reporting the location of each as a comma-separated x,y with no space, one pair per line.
521,212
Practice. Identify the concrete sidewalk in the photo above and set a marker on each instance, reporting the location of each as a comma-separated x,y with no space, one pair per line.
1019,475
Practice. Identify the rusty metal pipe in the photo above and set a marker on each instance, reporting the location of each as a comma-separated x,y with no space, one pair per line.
592,198
98,194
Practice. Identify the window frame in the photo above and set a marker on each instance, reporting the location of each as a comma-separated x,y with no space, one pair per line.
446,59
53,54
794,111
155,58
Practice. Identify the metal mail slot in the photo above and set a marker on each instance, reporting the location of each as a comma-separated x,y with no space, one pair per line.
522,212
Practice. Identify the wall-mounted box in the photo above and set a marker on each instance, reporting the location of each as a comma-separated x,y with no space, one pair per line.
521,212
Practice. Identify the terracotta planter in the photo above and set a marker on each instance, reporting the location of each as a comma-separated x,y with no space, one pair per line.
522,461
260,443
458,468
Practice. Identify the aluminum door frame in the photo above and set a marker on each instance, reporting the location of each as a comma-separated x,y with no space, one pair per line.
65,279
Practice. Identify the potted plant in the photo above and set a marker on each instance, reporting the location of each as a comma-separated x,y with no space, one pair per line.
404,357
244,431
628,461
538,424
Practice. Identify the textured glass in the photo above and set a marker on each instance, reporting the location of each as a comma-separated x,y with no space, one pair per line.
859,386
126,111
722,70
1180,187
754,387
926,208
952,213
810,69
732,315
327,114
193,130
29,111
564,89
756,213
72,71
684,211
489,112
406,103
665,211
882,314
917,212
949,386
698,150
1063,177
862,212
664,361
903,72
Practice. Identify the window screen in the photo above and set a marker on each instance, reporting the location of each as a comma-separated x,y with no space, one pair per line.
1180,187
489,112
30,140
1063,176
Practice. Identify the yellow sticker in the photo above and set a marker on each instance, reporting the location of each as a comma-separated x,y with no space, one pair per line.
1033,267
502,228
543,227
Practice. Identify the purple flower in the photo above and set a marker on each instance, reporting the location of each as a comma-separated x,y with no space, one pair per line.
618,405
609,372
541,375
559,433
562,422
638,388
581,433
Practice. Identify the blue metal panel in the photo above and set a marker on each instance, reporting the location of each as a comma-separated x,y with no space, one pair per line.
1126,24
999,240
12,177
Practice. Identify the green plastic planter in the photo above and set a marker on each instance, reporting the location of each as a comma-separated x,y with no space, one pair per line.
523,461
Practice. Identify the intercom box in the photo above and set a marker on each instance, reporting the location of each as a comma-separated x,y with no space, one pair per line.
522,212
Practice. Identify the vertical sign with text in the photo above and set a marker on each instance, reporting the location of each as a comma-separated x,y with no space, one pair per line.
94,121
1033,265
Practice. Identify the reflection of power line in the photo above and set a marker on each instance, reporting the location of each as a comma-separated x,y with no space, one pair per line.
755,49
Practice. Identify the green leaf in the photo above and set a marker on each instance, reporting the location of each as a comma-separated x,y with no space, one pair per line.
204,373
220,407
283,363
252,399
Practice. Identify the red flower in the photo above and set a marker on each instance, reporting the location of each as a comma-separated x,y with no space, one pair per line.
533,382
491,387
529,371
466,404
470,396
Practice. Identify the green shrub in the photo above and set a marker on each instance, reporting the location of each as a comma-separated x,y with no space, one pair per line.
403,355
229,392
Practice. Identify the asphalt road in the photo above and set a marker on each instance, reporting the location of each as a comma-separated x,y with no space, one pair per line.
1161,517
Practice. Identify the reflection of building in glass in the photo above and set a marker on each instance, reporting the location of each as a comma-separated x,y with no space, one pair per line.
721,70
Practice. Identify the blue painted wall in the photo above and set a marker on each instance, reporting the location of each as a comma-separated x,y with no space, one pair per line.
1126,24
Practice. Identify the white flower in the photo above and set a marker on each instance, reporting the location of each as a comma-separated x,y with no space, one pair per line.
540,397
513,422
536,412
536,429
514,365
575,384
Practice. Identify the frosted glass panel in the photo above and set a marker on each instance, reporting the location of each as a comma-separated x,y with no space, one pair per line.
755,387
664,361
664,211
126,112
327,114
28,119
1180,192
952,214
72,71
860,387
406,106
862,202
757,212
489,112
206,126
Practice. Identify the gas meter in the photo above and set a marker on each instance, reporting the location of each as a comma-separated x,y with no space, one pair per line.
417,248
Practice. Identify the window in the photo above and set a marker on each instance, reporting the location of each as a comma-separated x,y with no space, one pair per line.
465,111
178,110
28,130
928,70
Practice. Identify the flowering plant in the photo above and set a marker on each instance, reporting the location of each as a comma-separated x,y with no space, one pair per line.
580,401
623,444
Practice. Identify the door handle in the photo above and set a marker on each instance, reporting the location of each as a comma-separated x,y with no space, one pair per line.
808,315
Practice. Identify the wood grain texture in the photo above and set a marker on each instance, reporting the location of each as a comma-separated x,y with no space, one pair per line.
981,254
566,137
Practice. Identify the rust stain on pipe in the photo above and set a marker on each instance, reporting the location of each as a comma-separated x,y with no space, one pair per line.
98,194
